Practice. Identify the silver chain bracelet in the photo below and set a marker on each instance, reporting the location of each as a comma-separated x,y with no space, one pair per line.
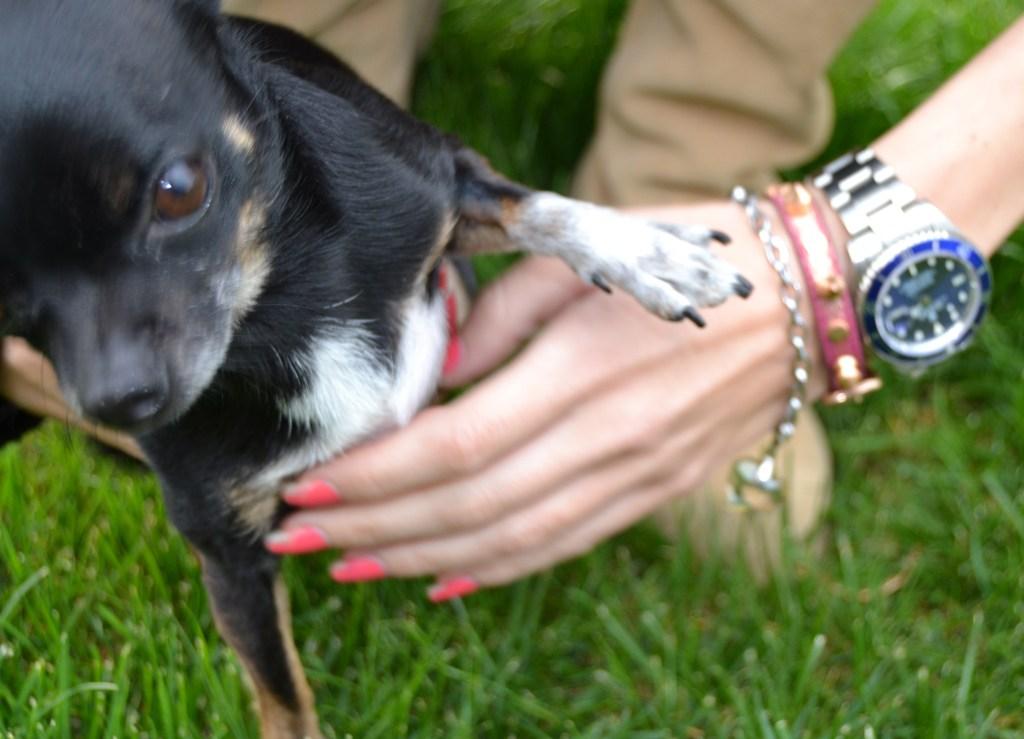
759,474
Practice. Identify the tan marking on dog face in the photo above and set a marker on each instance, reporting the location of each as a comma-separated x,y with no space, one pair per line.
253,257
241,138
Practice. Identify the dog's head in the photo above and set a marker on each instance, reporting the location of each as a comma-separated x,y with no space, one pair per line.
129,247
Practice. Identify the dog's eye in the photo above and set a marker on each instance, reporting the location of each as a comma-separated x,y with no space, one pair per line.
181,190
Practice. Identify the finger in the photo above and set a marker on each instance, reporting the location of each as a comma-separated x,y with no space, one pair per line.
616,517
530,528
517,546
619,514
442,444
625,420
563,365
690,451
560,367
509,312
510,483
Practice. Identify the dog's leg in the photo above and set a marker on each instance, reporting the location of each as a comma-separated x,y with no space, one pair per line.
667,267
250,605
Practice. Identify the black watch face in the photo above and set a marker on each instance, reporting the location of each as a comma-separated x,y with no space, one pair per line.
927,300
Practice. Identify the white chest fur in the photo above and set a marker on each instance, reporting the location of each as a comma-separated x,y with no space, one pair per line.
354,394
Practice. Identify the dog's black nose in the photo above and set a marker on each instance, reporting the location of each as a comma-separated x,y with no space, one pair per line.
127,409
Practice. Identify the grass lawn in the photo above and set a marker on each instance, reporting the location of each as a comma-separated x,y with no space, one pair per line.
912,625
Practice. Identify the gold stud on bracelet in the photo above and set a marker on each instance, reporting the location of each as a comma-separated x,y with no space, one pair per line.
851,381
838,330
848,371
830,287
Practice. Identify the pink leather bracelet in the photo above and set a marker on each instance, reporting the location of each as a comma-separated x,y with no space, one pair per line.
831,302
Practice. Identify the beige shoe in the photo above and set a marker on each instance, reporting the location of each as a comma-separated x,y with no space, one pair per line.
712,524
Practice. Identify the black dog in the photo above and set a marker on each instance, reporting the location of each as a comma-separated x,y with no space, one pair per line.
228,246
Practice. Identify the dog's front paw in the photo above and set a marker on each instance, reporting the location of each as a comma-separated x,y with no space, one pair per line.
670,270
667,267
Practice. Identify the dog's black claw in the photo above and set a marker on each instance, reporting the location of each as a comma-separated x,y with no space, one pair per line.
599,282
743,287
694,316
721,237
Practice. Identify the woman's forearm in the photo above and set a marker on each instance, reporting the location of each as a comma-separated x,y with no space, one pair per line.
963,149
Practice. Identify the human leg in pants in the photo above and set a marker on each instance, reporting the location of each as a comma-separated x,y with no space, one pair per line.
381,39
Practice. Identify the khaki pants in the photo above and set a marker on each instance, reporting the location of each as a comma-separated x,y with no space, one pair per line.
699,95
380,39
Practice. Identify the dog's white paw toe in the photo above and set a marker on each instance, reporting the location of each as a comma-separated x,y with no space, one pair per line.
698,235
670,270
668,267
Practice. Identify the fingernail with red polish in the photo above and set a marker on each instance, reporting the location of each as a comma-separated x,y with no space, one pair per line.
358,569
311,495
296,541
457,587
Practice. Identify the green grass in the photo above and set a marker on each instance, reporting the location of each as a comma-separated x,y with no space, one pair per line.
912,625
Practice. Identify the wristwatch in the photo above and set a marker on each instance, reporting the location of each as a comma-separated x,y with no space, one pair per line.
922,288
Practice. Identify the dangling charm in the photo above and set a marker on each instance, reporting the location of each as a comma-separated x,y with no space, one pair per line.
750,474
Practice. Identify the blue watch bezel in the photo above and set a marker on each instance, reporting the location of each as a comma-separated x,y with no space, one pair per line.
913,248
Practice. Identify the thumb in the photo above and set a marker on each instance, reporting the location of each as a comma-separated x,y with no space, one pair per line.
509,311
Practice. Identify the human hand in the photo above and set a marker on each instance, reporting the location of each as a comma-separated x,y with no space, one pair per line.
606,414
